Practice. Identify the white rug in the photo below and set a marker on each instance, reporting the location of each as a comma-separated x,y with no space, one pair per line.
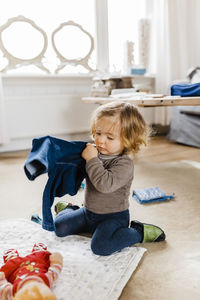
85,276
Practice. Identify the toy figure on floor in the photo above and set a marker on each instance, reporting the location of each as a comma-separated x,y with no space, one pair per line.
30,277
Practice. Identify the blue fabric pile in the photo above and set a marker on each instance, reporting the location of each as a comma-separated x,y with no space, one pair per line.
148,195
186,89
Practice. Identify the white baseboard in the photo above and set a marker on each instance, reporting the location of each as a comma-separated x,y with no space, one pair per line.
21,144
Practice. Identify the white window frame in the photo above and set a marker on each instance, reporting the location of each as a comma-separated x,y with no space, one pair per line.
101,40
102,48
102,35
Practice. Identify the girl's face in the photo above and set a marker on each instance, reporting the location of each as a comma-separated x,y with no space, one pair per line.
107,136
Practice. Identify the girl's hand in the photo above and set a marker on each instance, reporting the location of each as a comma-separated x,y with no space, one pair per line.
89,152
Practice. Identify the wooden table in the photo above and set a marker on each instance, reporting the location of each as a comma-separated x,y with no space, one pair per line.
148,101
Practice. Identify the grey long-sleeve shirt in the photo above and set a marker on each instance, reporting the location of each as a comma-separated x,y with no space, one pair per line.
108,183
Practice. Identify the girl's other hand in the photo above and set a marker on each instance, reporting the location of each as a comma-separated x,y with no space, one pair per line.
89,152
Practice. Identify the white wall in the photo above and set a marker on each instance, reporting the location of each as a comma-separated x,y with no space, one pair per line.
48,105
44,105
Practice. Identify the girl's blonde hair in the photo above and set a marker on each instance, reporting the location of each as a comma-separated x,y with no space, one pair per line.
134,130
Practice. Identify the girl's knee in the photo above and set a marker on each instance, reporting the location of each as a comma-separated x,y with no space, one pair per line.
99,248
60,229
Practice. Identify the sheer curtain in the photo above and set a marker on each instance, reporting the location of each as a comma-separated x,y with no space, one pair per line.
3,130
175,44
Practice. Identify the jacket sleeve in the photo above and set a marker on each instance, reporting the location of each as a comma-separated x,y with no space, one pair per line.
47,151
111,179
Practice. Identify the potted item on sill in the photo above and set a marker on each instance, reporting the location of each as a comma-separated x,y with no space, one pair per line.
104,85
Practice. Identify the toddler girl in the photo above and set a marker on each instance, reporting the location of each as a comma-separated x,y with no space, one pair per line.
118,130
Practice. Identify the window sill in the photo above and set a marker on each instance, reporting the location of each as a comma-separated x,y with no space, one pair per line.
68,75
45,76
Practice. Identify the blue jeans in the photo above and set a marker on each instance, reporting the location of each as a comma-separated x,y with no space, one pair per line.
110,232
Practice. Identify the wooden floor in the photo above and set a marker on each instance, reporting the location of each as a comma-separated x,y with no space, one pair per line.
162,150
159,149
168,270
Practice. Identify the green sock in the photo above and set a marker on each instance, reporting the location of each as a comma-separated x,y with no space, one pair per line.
151,233
61,205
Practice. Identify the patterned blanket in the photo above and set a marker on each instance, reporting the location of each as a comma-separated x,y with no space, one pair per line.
85,276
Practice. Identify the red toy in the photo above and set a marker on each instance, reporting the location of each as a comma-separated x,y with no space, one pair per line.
29,277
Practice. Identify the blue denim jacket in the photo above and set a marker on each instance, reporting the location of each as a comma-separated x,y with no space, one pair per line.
65,166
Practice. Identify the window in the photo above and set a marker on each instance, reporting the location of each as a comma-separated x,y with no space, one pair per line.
48,15
110,22
123,19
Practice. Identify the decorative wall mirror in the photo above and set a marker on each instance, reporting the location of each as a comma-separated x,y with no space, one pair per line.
34,40
75,36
